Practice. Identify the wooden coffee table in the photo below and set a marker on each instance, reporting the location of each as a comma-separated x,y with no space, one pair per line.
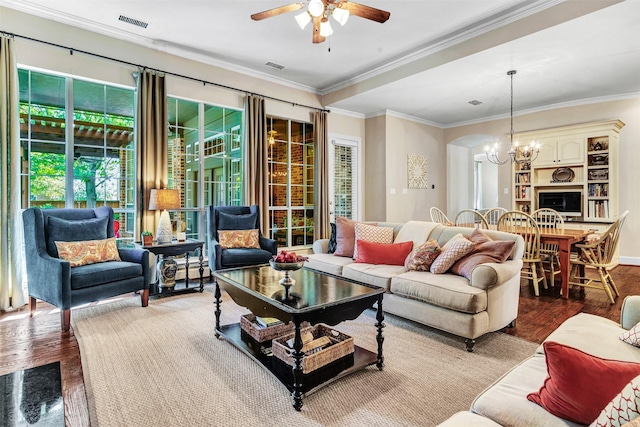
315,298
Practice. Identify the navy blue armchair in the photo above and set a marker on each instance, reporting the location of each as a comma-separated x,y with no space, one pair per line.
236,218
53,280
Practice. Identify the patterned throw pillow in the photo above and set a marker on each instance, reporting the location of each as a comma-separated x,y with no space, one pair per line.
623,408
230,239
632,336
88,252
422,258
332,240
371,233
452,251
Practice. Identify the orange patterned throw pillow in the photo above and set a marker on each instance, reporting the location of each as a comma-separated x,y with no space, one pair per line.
422,258
230,239
88,252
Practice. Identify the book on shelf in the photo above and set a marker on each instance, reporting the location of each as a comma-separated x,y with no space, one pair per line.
265,322
598,209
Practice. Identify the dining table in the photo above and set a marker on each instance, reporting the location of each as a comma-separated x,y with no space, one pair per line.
565,239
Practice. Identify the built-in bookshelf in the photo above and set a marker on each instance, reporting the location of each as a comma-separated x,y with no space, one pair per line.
580,158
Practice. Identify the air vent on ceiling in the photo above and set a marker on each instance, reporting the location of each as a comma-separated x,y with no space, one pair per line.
133,21
274,65
475,102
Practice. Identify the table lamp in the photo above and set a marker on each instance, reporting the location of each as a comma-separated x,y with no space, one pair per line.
162,200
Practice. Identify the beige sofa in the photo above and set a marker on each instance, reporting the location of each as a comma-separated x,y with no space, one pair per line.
505,402
468,308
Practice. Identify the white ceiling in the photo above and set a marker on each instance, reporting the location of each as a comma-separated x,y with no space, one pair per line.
427,61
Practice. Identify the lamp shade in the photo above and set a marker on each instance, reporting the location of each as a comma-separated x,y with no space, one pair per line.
164,199
316,8
303,19
325,28
340,15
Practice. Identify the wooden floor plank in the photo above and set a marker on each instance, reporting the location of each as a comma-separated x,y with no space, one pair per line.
29,342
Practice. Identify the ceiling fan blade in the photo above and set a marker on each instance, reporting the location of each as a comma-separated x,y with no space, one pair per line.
276,11
366,12
317,38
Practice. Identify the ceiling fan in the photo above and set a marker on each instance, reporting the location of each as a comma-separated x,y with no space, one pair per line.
319,11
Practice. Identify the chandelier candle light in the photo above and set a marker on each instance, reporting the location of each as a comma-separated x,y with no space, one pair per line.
163,200
516,154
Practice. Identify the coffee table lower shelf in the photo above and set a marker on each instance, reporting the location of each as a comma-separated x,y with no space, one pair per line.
360,359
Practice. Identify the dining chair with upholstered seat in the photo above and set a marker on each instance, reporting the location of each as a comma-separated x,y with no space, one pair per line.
517,222
470,218
438,216
598,253
549,219
493,215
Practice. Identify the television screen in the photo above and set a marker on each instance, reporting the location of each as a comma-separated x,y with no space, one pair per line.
568,203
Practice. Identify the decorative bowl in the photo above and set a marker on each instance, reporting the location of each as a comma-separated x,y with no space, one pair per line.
286,266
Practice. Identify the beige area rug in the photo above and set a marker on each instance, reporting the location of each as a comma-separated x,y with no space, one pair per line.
163,366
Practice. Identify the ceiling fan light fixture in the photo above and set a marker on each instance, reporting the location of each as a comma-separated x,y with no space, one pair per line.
316,8
325,28
303,19
340,15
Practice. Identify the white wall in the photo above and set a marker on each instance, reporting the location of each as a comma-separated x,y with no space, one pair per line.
459,180
489,182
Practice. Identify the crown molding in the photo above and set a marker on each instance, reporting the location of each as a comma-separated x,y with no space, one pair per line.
158,45
576,103
347,113
463,33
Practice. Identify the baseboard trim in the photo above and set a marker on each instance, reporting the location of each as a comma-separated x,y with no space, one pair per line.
629,260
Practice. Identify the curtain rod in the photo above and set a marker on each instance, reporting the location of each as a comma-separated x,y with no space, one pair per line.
204,82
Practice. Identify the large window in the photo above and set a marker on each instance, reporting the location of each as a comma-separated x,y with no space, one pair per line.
201,131
291,182
78,146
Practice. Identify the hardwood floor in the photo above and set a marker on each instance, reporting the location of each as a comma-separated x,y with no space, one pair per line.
29,342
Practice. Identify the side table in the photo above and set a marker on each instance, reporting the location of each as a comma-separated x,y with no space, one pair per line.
165,283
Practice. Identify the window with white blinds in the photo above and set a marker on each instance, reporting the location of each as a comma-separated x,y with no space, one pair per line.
344,178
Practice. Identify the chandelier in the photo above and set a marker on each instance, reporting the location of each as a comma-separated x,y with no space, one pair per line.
515,154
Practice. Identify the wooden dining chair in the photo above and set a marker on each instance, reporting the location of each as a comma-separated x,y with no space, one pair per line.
517,222
598,253
549,219
438,216
470,218
493,215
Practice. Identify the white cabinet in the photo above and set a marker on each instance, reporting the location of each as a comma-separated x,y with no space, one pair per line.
560,152
579,158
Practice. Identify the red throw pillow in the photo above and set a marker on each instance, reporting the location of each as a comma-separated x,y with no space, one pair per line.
383,253
579,385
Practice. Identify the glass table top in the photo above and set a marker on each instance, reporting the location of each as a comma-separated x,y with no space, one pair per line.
311,290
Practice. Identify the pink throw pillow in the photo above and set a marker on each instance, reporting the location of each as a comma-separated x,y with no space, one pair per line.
345,237
452,251
485,250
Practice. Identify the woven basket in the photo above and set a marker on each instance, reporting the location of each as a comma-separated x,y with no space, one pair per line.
342,345
260,334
